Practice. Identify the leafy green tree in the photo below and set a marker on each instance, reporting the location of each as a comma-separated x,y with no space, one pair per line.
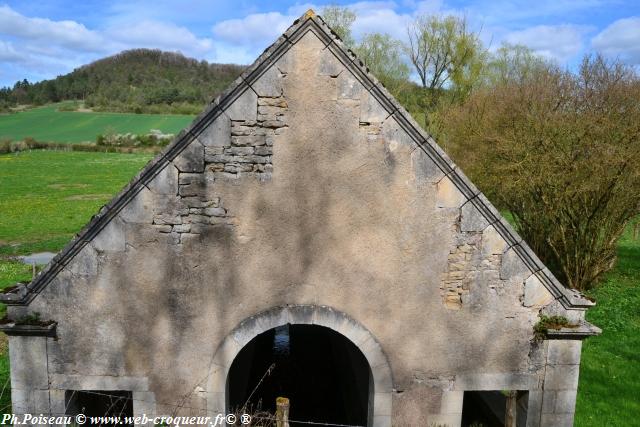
340,20
512,63
383,56
443,52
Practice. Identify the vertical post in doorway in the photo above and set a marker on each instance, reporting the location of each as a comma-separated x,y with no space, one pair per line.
282,412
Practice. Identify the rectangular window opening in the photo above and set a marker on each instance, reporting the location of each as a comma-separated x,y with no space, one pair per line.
488,408
115,405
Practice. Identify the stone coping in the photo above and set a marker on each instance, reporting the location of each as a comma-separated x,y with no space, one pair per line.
581,331
13,329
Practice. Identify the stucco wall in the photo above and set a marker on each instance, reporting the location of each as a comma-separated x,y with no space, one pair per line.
304,191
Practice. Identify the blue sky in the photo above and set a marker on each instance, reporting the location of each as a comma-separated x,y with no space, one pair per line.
43,39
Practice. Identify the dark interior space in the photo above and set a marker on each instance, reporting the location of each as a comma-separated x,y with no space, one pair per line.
99,403
324,375
488,408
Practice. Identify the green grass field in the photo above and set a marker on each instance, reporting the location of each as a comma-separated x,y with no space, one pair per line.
49,125
46,197
609,390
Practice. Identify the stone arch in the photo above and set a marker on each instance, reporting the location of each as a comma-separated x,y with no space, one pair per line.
380,407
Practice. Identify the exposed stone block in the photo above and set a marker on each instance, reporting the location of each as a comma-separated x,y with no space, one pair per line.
534,408
238,167
382,404
392,133
424,168
239,151
163,228
85,263
329,64
215,404
370,109
557,420
263,151
57,399
561,377
191,159
251,140
492,242
98,382
269,84
217,134
140,208
29,362
471,219
448,196
111,238
564,352
373,352
215,212
349,87
197,202
301,314
273,124
144,404
169,218
166,181
212,151
245,107
193,185
182,228
497,381
535,293
512,266
452,402
565,401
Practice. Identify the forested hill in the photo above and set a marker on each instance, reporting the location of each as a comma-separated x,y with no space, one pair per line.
139,80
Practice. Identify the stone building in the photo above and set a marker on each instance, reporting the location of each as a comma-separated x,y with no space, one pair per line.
303,236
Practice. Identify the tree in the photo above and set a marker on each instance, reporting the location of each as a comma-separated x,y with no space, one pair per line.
383,56
442,50
340,20
513,63
561,152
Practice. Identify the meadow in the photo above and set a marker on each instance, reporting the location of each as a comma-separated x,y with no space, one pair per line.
47,196
47,124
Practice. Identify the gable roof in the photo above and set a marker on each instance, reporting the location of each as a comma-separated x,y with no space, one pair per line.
569,299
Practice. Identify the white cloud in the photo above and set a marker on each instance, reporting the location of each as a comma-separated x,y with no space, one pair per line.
620,39
69,34
37,47
258,29
557,42
382,21
154,34
8,53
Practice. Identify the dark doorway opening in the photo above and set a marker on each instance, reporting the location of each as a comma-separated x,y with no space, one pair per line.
100,403
488,408
325,376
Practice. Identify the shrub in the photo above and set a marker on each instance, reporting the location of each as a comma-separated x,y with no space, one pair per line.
561,152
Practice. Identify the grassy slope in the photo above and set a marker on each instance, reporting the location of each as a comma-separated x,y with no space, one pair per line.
609,390
41,207
48,124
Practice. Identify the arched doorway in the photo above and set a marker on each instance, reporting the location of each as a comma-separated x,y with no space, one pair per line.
325,376
381,383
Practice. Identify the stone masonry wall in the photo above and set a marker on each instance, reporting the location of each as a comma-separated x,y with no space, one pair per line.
247,156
